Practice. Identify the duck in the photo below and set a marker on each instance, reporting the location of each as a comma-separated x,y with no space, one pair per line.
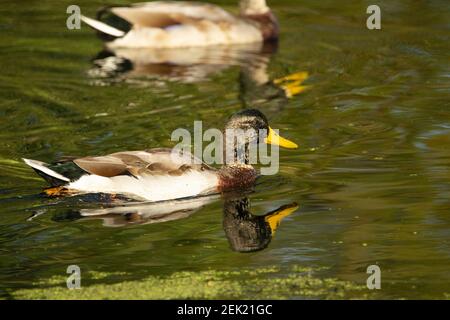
179,24
160,174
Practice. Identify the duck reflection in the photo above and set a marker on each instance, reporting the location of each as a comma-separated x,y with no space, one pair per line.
147,212
188,65
245,231
257,90
198,64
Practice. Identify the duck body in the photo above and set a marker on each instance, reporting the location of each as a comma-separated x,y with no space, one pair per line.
178,24
151,175
152,186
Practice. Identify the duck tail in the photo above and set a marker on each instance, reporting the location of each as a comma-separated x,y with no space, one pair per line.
102,27
53,178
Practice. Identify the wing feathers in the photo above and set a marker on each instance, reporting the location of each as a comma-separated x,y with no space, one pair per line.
145,19
140,163
106,166
162,14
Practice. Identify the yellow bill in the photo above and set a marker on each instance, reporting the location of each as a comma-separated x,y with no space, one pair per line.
275,139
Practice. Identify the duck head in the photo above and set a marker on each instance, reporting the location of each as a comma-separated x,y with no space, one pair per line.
252,7
244,130
255,128
260,13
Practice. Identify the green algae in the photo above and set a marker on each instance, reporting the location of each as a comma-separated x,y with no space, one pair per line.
260,283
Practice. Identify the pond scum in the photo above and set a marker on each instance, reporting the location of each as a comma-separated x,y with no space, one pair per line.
260,283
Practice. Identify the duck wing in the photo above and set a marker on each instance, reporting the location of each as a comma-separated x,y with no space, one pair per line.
159,161
160,14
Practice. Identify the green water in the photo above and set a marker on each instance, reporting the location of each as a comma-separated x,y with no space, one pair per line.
371,176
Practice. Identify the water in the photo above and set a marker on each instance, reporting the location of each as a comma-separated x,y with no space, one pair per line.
371,176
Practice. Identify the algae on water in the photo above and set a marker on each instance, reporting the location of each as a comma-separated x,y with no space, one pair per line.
260,283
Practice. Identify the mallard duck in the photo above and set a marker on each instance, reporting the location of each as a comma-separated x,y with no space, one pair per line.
160,174
175,24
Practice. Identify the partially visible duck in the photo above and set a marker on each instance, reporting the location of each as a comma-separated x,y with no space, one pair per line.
160,174
175,24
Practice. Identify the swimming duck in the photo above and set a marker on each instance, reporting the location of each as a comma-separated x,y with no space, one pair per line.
175,24
160,174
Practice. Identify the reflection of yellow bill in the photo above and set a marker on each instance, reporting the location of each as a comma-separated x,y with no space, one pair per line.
275,139
298,76
294,89
275,218
292,84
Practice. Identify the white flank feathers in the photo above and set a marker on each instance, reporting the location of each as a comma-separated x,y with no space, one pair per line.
149,187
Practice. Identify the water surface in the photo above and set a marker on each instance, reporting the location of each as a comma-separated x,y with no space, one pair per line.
371,176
